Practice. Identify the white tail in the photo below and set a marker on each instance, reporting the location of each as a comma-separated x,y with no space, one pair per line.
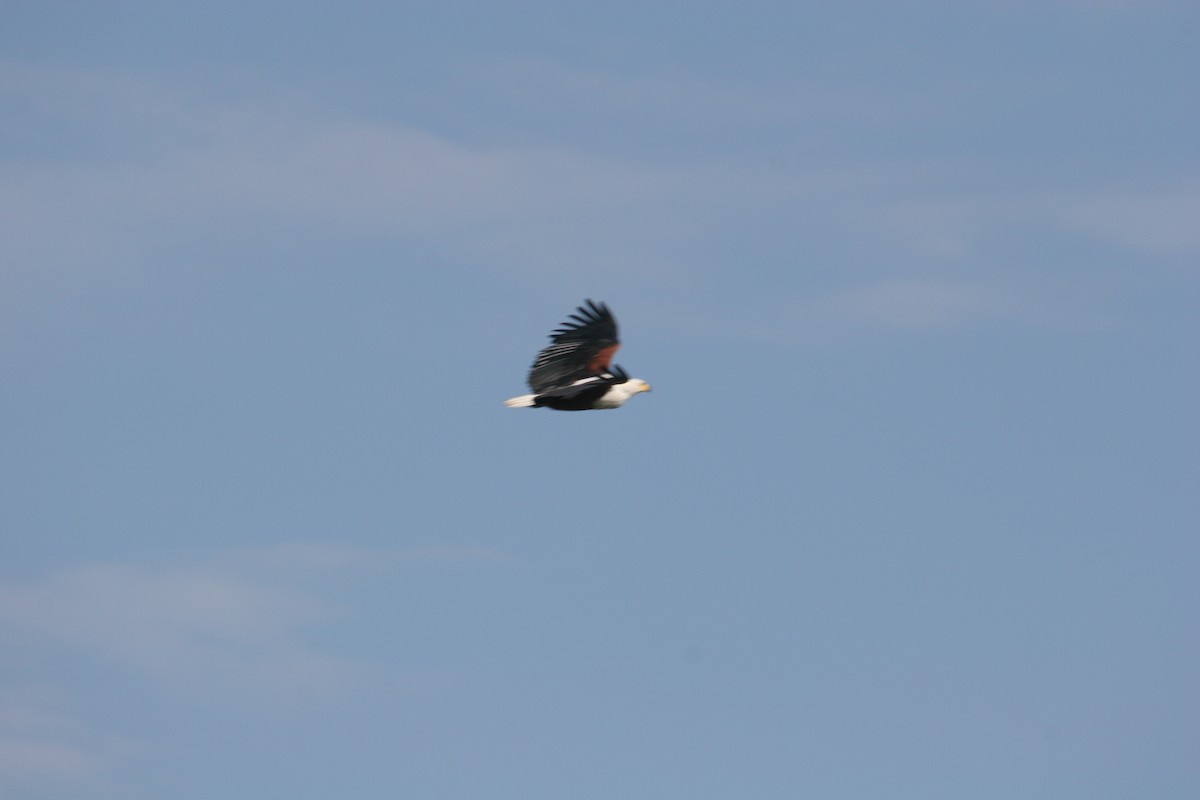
524,401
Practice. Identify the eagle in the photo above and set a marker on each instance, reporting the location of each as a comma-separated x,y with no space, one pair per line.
575,372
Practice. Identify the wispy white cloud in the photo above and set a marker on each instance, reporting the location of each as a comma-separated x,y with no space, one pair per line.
196,629
908,304
307,557
43,758
171,155
235,629
240,631
1149,221
178,166
42,747
1153,222
160,171
28,765
712,103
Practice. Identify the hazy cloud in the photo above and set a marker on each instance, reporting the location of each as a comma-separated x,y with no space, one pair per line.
714,105
912,304
196,629
174,167
1154,222
307,557
237,628
241,630
43,746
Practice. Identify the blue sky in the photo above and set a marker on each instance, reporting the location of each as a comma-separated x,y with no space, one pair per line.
911,512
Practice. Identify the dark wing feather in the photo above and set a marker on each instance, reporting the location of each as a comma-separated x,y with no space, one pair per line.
597,384
580,348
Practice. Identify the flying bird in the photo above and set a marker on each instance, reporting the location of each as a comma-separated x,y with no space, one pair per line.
574,372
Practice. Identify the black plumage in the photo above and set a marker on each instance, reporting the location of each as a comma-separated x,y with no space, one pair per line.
574,372
583,395
582,347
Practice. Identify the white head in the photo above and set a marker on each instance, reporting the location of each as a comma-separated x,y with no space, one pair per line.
637,386
619,393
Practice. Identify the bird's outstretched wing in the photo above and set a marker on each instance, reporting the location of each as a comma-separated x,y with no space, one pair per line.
604,380
580,348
